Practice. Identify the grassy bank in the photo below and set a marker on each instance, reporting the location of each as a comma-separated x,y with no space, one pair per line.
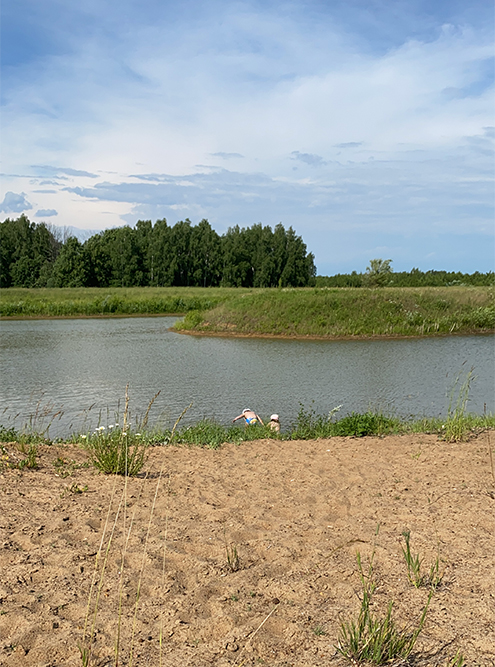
95,301
349,312
458,425
319,312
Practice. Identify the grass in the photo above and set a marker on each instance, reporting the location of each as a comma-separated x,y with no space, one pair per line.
114,450
345,312
118,450
95,301
456,424
418,578
372,638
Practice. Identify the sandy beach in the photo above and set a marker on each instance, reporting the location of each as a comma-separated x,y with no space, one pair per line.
295,513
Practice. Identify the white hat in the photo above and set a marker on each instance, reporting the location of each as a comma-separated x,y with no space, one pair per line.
246,410
274,418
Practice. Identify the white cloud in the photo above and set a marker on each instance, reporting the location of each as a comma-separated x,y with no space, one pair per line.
15,203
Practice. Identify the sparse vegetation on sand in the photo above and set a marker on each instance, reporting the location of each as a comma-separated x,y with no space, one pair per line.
247,556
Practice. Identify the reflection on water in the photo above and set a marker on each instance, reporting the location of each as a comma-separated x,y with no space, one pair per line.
81,367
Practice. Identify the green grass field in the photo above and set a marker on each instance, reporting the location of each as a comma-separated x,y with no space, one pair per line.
106,301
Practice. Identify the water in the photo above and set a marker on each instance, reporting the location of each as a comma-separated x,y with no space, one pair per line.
79,369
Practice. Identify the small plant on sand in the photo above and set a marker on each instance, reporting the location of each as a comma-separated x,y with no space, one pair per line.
372,638
433,579
231,554
31,460
457,661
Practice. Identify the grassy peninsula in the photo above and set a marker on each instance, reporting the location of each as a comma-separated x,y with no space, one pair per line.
343,312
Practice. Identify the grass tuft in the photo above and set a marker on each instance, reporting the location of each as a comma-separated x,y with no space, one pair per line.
372,638
433,579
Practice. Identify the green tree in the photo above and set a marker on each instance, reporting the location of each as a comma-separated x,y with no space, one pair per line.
237,270
98,262
205,253
70,268
27,253
180,265
160,273
378,273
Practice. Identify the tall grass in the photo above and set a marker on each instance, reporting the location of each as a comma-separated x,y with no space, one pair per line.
456,424
93,301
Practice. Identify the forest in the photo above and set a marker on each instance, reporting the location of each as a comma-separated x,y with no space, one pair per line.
154,255
187,255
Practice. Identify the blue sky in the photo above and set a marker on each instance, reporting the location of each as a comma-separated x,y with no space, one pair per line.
366,125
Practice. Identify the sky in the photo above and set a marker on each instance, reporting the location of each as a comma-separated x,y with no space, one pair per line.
366,125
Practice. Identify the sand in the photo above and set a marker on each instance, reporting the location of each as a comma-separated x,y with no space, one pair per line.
296,513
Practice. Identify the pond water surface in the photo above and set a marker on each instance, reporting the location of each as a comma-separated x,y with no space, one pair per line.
80,368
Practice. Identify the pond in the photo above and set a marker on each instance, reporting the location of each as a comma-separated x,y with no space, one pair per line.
71,374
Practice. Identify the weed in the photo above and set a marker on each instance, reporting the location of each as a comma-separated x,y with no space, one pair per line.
457,661
74,489
433,579
369,423
67,467
319,631
5,460
31,460
310,425
233,561
372,638
456,425
117,452
8,434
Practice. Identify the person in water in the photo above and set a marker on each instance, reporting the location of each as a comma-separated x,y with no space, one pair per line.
250,417
274,423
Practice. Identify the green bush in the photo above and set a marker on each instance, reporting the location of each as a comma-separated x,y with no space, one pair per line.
369,423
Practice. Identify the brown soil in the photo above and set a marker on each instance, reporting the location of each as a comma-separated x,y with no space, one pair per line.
296,512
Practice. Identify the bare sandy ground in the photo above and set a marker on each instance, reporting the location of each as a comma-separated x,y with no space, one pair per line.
295,512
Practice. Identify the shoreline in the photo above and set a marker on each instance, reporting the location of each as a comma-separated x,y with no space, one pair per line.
224,334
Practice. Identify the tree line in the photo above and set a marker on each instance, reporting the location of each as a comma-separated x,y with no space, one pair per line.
380,274
36,255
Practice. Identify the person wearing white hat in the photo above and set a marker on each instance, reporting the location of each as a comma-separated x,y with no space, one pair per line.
250,417
274,423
